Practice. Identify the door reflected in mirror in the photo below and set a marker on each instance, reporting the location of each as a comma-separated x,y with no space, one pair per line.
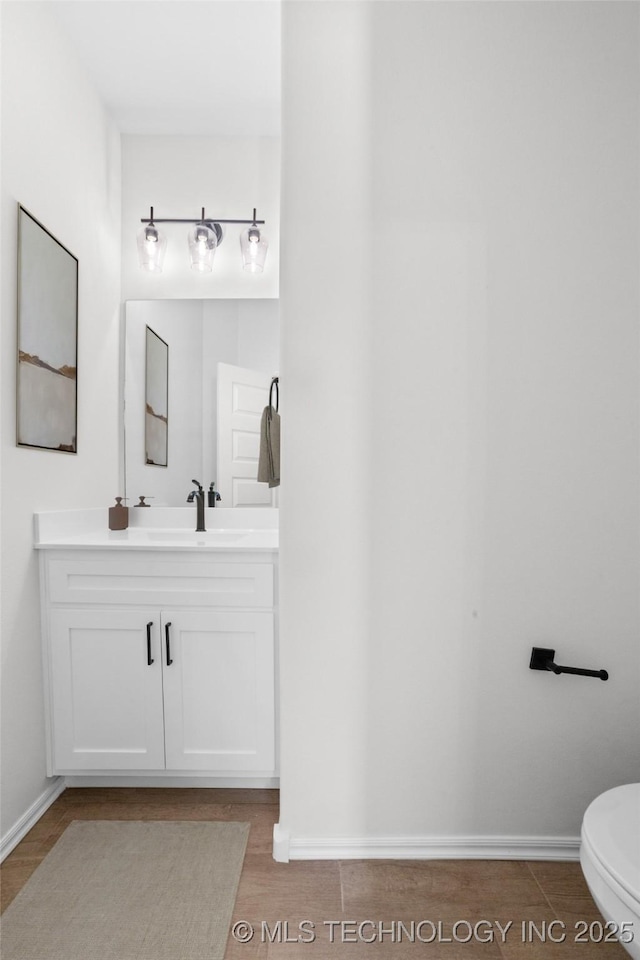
213,412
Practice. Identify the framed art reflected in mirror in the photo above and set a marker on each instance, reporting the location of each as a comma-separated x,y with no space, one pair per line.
156,431
47,400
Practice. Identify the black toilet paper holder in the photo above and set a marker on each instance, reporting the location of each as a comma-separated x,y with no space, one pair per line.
543,659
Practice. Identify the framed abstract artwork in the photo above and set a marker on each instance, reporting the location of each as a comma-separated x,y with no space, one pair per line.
47,377
156,400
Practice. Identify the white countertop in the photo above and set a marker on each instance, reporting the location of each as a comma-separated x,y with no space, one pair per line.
160,528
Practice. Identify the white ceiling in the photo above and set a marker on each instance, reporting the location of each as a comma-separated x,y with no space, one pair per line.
181,67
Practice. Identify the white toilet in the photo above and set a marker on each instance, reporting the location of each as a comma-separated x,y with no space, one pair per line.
610,860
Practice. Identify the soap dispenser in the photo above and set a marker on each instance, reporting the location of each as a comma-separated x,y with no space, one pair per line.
212,495
118,516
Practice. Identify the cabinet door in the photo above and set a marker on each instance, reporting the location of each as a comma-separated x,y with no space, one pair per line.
106,697
219,691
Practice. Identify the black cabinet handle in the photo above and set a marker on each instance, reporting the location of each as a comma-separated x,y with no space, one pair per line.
149,657
168,641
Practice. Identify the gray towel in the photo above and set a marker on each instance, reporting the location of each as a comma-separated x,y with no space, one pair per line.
269,459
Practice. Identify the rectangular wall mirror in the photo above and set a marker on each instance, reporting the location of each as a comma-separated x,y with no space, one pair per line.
223,354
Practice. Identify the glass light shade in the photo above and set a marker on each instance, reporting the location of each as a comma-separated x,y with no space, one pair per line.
254,248
152,246
202,247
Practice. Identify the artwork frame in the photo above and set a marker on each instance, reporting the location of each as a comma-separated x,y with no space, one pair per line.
156,400
47,339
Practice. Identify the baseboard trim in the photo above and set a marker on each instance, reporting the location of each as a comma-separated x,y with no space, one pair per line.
425,848
246,783
281,844
30,817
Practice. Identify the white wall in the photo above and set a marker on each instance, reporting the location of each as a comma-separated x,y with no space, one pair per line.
177,176
460,455
61,160
200,334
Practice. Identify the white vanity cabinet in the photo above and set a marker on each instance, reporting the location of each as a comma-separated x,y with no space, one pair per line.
159,662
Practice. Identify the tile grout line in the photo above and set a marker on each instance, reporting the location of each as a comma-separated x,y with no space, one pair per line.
341,887
541,888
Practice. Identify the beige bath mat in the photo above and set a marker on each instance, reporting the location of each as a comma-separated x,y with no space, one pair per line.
129,890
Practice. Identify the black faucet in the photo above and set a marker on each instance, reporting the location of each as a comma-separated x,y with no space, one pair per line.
198,496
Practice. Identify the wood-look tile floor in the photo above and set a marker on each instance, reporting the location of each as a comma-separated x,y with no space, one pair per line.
331,910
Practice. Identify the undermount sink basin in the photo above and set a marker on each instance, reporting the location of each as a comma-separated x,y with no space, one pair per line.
192,536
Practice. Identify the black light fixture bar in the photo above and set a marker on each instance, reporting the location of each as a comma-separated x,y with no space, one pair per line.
201,219
198,220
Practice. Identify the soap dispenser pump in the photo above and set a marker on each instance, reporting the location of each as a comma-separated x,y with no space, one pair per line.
118,515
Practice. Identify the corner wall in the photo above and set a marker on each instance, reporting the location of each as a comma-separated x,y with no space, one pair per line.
461,448
61,160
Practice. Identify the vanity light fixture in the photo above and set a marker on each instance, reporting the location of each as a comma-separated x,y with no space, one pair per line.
203,242
152,246
204,238
254,248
